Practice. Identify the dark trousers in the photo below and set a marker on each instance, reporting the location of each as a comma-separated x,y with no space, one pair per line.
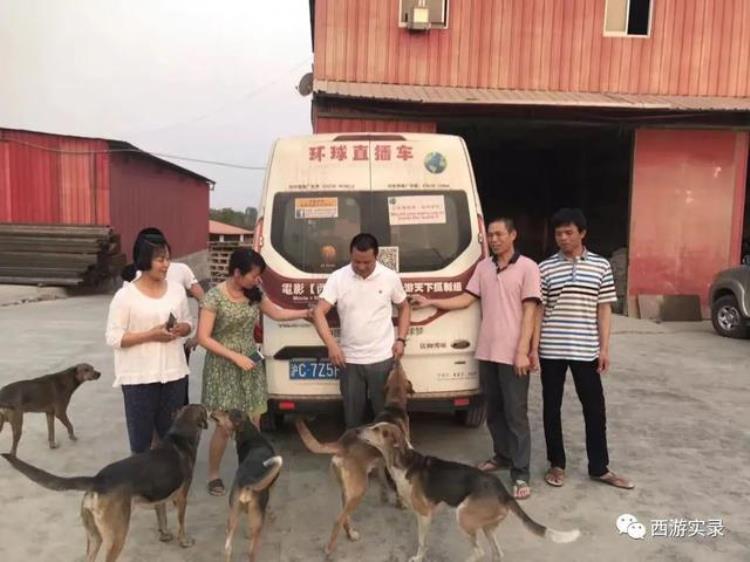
187,381
589,389
506,395
357,383
149,408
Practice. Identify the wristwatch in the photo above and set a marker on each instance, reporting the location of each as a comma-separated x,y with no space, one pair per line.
402,340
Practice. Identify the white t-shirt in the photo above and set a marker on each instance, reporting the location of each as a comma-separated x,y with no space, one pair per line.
365,307
178,273
132,311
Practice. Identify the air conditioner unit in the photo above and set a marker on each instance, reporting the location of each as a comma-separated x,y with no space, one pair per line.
421,15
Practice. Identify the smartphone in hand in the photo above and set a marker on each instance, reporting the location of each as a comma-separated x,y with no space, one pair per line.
171,321
256,356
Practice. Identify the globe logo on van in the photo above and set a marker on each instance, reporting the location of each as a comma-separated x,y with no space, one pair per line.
435,162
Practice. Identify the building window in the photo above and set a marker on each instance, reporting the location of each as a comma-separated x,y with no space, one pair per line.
628,18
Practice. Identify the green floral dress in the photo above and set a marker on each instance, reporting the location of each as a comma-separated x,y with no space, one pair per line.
225,385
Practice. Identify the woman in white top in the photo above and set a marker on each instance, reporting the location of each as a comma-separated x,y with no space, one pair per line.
150,362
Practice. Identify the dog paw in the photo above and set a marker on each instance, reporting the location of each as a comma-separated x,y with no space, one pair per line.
73,438
353,535
187,542
54,445
166,536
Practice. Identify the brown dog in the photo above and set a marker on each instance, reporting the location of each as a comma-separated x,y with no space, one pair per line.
353,459
49,394
424,482
153,478
258,469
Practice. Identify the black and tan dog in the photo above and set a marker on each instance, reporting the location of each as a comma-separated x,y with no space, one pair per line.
258,469
353,459
49,394
425,482
152,478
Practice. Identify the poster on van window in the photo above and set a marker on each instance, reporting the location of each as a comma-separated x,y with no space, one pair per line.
389,257
316,208
416,209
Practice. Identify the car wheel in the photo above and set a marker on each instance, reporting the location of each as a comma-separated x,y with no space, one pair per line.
473,416
727,318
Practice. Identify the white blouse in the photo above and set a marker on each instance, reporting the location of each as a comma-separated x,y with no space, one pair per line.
151,362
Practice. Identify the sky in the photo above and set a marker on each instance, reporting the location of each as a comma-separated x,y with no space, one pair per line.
209,80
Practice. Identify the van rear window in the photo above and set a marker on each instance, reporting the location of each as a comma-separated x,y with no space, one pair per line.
419,230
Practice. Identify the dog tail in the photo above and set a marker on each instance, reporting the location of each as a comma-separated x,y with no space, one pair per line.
50,481
313,444
540,530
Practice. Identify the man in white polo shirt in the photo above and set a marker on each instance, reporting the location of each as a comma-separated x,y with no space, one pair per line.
363,293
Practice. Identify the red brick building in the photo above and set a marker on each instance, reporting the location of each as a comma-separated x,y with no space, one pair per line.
638,111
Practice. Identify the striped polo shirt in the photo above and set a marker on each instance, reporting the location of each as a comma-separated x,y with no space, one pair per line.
572,290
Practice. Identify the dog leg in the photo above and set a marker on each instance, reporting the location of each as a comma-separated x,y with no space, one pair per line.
353,488
383,479
497,552
477,553
62,415
161,522
51,431
93,537
112,521
254,527
423,522
180,503
16,422
234,517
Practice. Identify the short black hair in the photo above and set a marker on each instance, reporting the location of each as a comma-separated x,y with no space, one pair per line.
567,216
509,223
148,249
363,242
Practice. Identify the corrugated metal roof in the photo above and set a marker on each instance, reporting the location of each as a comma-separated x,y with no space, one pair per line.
481,96
216,227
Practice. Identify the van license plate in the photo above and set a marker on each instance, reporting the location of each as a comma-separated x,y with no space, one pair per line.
313,370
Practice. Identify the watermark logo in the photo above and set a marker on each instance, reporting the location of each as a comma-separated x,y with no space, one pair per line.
628,524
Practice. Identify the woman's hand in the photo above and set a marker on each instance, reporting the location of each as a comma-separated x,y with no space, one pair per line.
161,334
181,330
243,362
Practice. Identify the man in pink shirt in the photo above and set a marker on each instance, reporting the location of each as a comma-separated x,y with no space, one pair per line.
508,286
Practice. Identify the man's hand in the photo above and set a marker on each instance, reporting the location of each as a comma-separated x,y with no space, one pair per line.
192,343
534,360
336,356
419,301
522,364
603,364
398,349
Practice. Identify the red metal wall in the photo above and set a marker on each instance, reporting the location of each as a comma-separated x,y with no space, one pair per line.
687,202
145,193
346,125
697,47
53,179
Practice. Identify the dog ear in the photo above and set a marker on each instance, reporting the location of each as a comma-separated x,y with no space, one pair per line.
409,387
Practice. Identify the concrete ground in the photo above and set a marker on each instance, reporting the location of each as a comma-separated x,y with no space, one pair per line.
677,401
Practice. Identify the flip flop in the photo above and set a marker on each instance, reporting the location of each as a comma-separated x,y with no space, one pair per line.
493,465
521,485
555,476
216,487
611,479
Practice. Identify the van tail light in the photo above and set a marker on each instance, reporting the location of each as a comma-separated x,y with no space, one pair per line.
461,402
286,405
258,235
258,331
483,236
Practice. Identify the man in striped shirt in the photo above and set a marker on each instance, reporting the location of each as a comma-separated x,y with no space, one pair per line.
573,330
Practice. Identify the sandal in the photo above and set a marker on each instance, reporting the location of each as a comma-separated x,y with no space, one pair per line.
493,465
555,476
521,490
612,479
216,487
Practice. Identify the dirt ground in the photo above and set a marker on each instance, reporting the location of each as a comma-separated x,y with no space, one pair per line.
677,401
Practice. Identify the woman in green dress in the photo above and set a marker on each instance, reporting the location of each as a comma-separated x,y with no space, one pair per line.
231,380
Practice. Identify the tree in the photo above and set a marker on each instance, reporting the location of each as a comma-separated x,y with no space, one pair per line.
236,218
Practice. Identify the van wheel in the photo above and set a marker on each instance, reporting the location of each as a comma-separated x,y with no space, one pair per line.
473,416
727,318
271,421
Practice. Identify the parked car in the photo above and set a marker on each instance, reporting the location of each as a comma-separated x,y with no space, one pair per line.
729,296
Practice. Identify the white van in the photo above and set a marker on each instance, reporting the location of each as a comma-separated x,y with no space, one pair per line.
416,193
